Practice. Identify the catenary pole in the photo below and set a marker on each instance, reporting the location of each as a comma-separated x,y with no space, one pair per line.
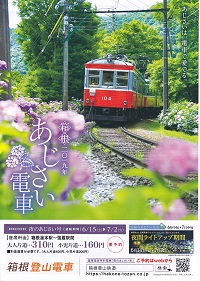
165,58
5,40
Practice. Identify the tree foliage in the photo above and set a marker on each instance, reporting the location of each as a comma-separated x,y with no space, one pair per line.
139,37
115,21
179,87
17,62
41,39
137,40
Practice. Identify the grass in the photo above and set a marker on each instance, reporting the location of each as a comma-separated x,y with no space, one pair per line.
154,126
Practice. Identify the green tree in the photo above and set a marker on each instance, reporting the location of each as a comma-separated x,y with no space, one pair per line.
17,62
41,40
137,40
180,87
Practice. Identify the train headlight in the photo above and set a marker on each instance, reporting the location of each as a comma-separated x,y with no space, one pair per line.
87,100
92,92
125,102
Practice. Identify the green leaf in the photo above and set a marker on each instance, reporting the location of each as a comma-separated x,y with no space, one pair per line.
164,195
190,217
83,148
76,194
4,149
154,177
130,204
56,183
6,196
136,172
189,186
8,132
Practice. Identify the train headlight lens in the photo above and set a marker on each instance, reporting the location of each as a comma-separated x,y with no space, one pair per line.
87,100
92,92
125,102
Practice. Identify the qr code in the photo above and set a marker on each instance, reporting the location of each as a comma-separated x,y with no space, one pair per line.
182,265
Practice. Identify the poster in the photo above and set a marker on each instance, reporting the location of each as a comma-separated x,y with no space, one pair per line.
71,210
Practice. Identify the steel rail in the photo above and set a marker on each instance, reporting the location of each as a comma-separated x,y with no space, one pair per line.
133,159
130,158
139,137
139,162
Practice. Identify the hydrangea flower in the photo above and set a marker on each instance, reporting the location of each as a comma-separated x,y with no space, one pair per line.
21,127
81,172
3,65
54,120
190,104
11,112
23,104
3,84
177,210
173,157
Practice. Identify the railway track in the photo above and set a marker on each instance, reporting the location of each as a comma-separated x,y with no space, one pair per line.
126,145
129,146
135,148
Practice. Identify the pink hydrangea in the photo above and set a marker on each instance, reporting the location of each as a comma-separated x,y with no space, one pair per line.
81,172
196,119
190,104
22,127
3,84
177,210
75,121
173,157
11,112
3,65
79,169
26,105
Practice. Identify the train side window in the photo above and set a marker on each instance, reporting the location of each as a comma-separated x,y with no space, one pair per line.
93,80
122,80
135,80
108,79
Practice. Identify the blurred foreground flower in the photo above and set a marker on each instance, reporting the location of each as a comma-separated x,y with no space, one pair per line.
9,111
177,210
174,157
70,121
80,172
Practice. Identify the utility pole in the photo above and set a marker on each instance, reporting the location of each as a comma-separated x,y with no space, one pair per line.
5,40
65,56
165,58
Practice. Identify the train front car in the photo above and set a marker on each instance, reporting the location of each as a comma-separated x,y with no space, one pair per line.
108,89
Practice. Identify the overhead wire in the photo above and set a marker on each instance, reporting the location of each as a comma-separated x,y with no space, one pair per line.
60,18
134,4
50,36
49,8
117,1
38,37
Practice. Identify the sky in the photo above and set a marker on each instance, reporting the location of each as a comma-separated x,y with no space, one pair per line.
102,5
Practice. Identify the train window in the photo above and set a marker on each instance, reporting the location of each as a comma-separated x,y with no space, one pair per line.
93,78
135,82
140,87
122,79
108,79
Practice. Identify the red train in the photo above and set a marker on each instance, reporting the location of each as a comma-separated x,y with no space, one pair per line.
115,91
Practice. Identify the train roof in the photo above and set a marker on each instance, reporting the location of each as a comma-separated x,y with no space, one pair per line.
113,60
